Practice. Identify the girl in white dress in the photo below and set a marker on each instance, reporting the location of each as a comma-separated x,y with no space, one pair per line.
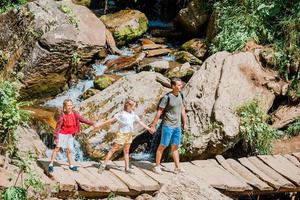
126,120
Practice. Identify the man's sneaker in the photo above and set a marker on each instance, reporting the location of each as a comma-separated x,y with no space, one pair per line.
101,168
179,171
50,168
73,168
129,171
157,170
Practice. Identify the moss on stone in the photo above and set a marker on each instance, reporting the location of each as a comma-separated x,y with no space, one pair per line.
102,82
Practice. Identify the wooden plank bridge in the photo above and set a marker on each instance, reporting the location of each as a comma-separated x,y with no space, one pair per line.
254,175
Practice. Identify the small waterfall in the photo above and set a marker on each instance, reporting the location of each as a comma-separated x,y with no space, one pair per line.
77,154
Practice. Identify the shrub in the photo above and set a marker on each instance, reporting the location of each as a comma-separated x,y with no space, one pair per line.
267,22
294,128
11,116
6,5
257,134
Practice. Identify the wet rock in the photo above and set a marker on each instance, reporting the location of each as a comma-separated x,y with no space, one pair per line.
183,71
124,62
103,81
82,2
187,187
193,17
47,41
126,25
157,52
196,46
183,56
222,84
157,66
89,93
146,87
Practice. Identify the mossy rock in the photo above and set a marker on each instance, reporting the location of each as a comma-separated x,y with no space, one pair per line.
195,46
126,25
184,56
105,80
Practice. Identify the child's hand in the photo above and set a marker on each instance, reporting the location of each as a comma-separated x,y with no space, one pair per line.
152,130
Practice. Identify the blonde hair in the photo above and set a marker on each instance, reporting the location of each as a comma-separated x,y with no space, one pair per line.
65,103
127,101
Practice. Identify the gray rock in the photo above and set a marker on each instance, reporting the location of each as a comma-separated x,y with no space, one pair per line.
224,82
145,87
47,41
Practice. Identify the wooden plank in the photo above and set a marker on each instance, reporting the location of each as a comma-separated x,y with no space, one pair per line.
248,176
81,180
297,155
227,167
292,159
283,182
147,167
212,173
259,173
146,181
63,177
98,184
112,182
283,166
131,183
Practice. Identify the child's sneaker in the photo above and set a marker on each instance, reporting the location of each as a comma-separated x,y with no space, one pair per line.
179,171
73,168
157,169
101,168
50,168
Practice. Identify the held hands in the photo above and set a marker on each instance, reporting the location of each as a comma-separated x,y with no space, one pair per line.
152,130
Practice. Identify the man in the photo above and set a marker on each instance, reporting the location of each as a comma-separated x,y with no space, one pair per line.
172,110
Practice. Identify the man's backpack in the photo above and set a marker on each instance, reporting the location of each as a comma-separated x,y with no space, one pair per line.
168,100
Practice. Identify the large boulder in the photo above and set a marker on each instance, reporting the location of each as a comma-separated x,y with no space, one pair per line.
192,18
223,83
45,42
126,25
146,88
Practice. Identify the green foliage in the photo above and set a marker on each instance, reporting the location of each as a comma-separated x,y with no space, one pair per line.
253,127
11,116
294,128
111,196
267,22
69,12
6,5
14,192
185,143
32,180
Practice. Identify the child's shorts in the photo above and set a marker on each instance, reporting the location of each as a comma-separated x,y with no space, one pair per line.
123,138
65,141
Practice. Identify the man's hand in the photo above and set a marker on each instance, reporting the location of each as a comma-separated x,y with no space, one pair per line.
186,129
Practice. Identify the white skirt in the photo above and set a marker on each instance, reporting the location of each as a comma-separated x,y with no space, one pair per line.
65,141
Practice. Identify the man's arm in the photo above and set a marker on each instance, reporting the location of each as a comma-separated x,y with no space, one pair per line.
183,120
156,118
